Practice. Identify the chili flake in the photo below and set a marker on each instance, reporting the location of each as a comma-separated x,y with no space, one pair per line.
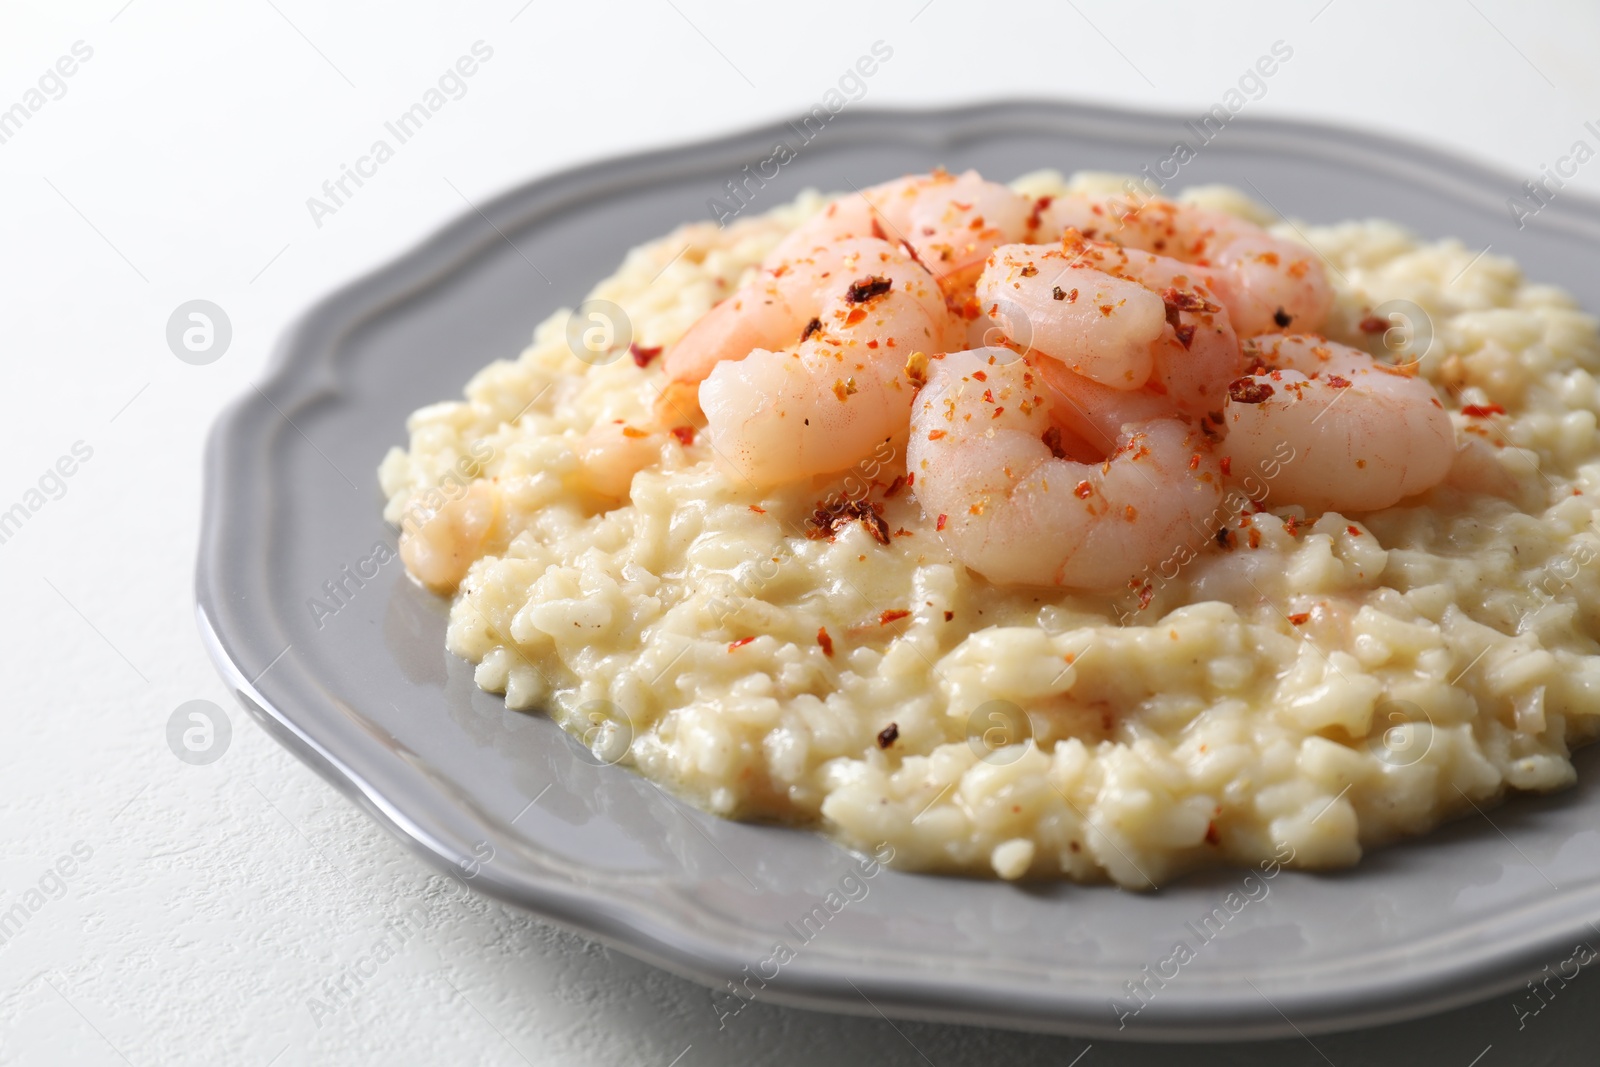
1052,441
829,518
1248,391
866,288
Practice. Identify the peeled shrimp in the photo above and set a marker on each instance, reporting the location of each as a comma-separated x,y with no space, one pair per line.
1016,512
791,410
950,222
1365,435
1267,284
1119,317
1097,413
438,547
611,453
819,292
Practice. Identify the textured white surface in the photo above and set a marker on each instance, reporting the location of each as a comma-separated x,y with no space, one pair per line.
217,901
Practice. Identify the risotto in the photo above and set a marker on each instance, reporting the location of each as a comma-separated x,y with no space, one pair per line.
822,650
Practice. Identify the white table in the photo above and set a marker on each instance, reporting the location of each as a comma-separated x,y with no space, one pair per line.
207,906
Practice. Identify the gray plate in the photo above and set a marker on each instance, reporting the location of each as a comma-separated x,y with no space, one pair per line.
371,700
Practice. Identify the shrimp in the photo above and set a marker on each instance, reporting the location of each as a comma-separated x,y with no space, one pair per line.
1365,434
1016,512
1095,413
611,453
1119,317
1267,284
783,413
820,292
439,547
949,223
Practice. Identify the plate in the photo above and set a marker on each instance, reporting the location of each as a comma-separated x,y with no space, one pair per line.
364,692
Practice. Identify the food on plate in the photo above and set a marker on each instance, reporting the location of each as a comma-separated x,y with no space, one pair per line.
1041,530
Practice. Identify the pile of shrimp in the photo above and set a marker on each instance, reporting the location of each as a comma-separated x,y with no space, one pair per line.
1077,381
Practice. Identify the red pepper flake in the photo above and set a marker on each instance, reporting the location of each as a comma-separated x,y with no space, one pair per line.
887,735
892,615
1373,324
982,376
1300,618
1146,594
1181,300
1226,463
732,645
1225,538
1052,441
934,435
1353,531
825,641
1083,490
872,344
634,432
831,517
1291,526
1248,391
642,355
949,615
1039,207
1336,382
865,289
1177,300
1255,537
814,326
1482,411
895,486
684,434
1029,271
911,479
998,412
940,524
758,509
855,316
1211,833
1194,462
